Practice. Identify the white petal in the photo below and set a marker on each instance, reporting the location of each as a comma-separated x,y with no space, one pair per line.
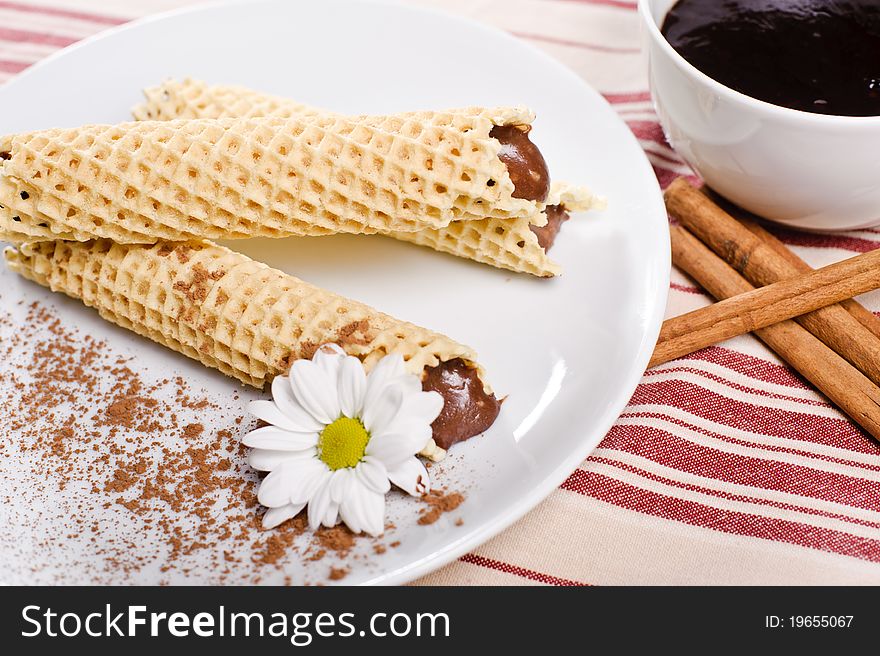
371,472
410,384
315,391
380,411
330,348
392,448
279,515
411,476
287,403
322,509
421,406
350,518
387,371
352,387
374,513
269,459
339,484
409,438
331,515
337,488
269,437
363,510
272,414
329,357
294,481
318,506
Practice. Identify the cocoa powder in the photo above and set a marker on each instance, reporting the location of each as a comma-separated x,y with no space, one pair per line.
439,502
121,467
192,431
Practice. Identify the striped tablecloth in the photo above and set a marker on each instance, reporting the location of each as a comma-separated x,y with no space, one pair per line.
725,467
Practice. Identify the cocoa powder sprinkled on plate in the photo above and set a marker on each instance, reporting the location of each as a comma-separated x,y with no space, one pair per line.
129,470
339,539
439,502
193,430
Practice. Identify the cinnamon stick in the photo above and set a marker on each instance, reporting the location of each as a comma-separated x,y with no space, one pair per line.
771,304
842,383
762,260
863,315
859,312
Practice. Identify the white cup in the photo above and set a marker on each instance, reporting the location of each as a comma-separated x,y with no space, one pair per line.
809,171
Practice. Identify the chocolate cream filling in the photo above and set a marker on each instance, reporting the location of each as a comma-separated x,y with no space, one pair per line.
525,163
467,409
556,216
531,179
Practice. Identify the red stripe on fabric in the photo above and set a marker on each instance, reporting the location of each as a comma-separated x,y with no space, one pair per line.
774,422
750,366
744,442
815,240
576,44
627,496
66,13
684,288
733,497
12,66
666,448
620,98
649,131
522,572
26,36
668,159
666,175
729,383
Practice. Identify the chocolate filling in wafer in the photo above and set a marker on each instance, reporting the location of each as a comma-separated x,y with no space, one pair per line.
467,409
525,163
531,180
556,216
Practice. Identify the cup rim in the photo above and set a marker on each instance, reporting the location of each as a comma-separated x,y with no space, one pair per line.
653,28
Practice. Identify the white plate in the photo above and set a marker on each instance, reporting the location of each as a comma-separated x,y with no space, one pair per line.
568,352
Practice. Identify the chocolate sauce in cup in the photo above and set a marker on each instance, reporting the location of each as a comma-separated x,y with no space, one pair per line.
819,56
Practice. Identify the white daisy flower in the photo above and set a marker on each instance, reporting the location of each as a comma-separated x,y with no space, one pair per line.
338,438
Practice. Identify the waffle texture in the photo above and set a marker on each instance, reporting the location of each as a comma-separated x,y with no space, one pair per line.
196,99
223,308
503,243
313,174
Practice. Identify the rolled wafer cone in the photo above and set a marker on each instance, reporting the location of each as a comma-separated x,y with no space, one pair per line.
225,310
231,178
503,243
196,99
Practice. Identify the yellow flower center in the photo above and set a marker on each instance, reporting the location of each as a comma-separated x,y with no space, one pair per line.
343,443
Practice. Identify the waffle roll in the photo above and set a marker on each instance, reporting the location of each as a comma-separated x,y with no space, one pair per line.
196,99
222,308
509,244
242,317
503,243
308,174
